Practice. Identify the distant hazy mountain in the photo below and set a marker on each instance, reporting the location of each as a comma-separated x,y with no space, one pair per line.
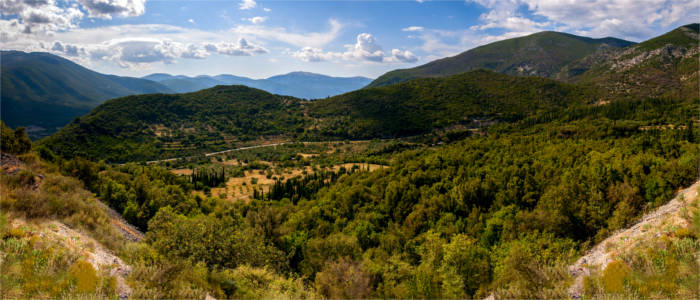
43,92
542,54
297,84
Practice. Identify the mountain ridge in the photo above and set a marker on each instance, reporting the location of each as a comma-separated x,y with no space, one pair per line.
540,54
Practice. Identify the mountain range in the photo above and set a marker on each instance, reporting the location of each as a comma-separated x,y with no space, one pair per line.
666,63
298,84
44,92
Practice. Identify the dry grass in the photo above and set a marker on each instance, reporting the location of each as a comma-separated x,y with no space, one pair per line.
241,188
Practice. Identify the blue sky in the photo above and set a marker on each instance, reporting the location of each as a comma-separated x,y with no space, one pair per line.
341,38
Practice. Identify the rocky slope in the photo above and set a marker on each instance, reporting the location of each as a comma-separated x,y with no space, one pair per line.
649,229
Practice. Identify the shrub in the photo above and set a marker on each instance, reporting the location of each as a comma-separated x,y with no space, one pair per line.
343,279
84,275
614,277
14,141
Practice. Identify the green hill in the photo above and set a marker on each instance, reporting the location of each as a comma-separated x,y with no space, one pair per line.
42,91
158,125
161,126
541,54
421,105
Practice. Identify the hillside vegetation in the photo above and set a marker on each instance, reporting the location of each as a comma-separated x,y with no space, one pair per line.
542,54
160,126
149,126
45,91
502,213
467,186
666,65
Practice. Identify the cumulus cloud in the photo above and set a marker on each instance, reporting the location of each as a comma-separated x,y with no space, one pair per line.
403,56
241,48
364,49
51,16
68,50
596,18
413,28
105,9
257,20
40,15
140,52
247,4
310,54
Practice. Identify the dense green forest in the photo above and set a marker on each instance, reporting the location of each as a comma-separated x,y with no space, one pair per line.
483,184
501,213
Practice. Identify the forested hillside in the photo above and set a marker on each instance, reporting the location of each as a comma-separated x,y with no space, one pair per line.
161,126
44,92
151,126
503,213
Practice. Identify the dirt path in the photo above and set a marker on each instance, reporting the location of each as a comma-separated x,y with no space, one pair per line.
648,227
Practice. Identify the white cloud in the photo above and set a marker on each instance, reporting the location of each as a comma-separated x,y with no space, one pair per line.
140,52
403,56
68,50
267,9
191,21
630,19
364,49
413,28
257,20
241,48
105,9
310,54
39,15
130,46
312,39
247,4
